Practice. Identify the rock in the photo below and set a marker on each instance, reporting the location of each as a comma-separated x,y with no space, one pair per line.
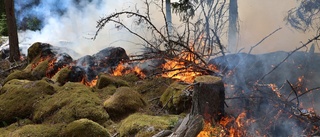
88,64
109,58
72,101
19,74
141,125
36,130
84,128
105,80
38,50
19,98
61,76
123,102
40,70
174,99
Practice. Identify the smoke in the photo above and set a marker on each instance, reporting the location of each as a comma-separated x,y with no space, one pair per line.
71,24
260,18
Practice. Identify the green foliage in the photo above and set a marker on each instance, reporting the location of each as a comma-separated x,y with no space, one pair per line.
3,25
30,23
305,16
184,8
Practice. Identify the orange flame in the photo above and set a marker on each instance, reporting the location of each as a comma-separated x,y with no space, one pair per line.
122,70
91,83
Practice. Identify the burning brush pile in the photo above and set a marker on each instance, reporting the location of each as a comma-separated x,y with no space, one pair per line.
111,93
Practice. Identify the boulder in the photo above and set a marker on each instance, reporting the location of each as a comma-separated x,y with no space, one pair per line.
38,50
36,130
19,74
72,101
104,80
123,102
20,97
109,58
84,128
61,76
141,125
174,99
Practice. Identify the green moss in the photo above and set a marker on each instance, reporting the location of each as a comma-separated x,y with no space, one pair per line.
130,78
141,125
40,70
73,101
207,79
105,80
84,128
6,131
19,98
106,92
33,52
61,76
123,102
37,130
174,98
18,74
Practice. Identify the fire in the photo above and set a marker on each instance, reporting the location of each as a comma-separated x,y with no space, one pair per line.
181,68
228,126
122,70
91,83
210,131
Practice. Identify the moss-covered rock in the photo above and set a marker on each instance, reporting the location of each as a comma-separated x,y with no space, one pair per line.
105,80
6,131
19,98
38,50
37,130
61,76
40,70
123,102
141,125
19,74
105,92
72,101
174,99
84,128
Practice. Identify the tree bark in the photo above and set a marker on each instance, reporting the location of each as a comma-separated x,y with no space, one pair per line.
208,98
233,29
12,31
207,105
169,17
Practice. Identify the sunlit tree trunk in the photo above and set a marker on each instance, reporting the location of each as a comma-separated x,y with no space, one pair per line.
233,30
169,17
12,31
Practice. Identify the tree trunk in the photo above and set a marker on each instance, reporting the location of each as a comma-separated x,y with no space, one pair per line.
12,31
208,98
207,105
233,30
169,17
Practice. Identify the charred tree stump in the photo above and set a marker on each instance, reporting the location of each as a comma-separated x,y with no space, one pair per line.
207,105
208,98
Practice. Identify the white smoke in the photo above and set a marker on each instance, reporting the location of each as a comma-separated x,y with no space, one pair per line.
76,26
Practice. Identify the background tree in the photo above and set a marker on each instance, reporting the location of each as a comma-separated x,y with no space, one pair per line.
306,16
3,22
12,31
233,26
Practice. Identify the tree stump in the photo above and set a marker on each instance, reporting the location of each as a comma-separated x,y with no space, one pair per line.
208,98
207,105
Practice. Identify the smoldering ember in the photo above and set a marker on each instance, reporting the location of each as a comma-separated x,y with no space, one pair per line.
184,81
